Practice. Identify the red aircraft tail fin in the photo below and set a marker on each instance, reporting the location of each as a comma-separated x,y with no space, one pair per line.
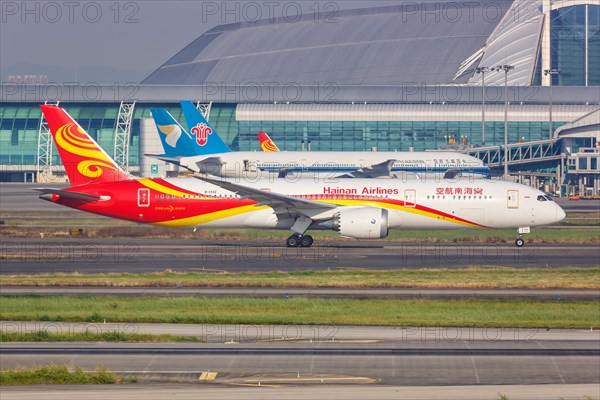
84,160
266,144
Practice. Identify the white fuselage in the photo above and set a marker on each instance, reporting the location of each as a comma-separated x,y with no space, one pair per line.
416,204
329,164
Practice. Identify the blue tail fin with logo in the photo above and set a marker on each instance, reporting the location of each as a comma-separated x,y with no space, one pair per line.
205,138
176,141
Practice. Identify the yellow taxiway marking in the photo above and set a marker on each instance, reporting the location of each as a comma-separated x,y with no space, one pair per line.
313,379
208,376
258,384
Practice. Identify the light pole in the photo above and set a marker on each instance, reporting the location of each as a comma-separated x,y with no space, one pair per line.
505,68
482,71
552,71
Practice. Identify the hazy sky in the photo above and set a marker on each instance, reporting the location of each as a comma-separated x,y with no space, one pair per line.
124,41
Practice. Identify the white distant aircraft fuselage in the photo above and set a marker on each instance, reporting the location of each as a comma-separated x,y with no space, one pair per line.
202,150
331,164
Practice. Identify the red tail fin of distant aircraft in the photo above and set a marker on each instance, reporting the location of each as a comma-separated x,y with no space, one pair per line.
84,160
266,144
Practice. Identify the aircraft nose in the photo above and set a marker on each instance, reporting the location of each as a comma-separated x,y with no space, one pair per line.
560,213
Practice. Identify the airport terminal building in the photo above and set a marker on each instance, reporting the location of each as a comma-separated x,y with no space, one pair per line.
443,75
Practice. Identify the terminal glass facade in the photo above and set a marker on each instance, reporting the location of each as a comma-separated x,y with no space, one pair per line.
575,45
19,129
387,136
594,45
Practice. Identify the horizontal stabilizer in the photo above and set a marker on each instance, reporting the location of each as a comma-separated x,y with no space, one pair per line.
73,195
381,170
451,174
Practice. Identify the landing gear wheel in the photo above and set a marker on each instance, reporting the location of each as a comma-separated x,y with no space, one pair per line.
306,241
520,242
293,241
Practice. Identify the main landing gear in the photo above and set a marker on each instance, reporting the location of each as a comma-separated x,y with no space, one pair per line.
519,242
297,240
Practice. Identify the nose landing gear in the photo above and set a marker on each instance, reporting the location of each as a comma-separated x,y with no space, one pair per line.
520,242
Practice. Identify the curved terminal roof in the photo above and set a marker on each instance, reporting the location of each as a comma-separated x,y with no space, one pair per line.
422,43
515,42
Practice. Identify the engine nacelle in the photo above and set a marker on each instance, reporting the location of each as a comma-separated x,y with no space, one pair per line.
361,222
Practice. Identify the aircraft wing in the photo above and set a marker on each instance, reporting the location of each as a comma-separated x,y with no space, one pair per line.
163,157
382,169
205,164
280,203
73,195
170,160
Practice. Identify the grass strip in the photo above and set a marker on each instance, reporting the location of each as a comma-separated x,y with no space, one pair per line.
470,278
296,311
87,336
58,374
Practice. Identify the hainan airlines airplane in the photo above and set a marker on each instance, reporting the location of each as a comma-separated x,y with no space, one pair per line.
203,151
355,208
266,143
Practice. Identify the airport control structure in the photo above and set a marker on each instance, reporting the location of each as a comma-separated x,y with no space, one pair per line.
520,91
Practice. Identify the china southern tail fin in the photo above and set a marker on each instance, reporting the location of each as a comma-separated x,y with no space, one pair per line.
206,139
176,141
84,160
266,144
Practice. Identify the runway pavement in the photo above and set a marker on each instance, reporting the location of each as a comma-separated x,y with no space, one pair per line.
20,197
303,362
414,363
321,392
31,256
579,206
225,333
257,292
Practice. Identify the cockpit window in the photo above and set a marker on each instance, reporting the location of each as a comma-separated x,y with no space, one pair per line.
549,198
542,198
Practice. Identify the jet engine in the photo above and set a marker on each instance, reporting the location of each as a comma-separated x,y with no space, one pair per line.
361,222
